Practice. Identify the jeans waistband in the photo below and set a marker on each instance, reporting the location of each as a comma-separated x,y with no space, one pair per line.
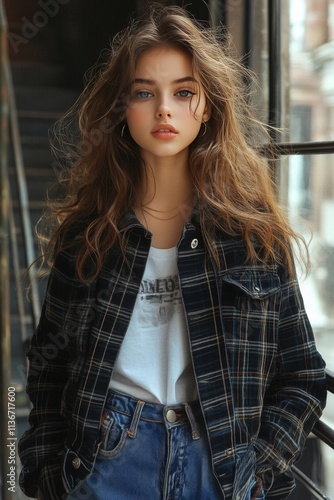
170,415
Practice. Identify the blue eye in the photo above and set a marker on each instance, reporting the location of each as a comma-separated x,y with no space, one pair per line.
185,93
143,94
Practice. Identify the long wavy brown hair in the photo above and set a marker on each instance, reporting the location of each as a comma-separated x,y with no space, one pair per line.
103,170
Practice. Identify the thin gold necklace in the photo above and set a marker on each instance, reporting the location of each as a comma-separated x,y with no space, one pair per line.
146,207
160,211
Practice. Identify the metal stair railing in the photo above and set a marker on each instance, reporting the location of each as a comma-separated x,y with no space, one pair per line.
26,225
8,234
322,430
326,434
23,198
4,253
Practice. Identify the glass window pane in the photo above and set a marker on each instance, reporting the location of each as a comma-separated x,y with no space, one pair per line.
310,186
312,68
311,211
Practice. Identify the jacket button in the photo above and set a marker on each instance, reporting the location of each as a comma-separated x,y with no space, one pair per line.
76,462
194,243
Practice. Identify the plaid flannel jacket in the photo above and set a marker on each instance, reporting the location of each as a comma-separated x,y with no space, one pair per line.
260,379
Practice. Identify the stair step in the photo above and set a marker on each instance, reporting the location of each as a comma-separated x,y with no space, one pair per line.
53,99
36,153
22,411
34,205
38,140
36,175
37,74
16,319
39,115
36,193
37,186
34,171
37,123
41,128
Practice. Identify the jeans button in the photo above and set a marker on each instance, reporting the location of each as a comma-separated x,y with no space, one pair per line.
76,462
171,416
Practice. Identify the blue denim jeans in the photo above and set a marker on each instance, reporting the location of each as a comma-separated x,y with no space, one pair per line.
151,452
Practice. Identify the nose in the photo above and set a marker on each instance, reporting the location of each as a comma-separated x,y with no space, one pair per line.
164,109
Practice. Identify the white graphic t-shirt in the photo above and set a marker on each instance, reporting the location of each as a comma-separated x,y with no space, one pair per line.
154,362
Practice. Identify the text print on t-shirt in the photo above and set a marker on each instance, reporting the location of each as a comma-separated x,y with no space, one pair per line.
159,300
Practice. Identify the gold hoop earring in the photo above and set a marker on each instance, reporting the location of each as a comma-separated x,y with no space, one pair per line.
204,129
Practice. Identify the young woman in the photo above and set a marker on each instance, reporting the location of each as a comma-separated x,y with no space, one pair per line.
174,358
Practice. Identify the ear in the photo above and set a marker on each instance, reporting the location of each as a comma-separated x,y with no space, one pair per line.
207,113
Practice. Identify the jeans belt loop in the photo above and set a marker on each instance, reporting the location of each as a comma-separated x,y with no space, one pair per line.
193,424
135,419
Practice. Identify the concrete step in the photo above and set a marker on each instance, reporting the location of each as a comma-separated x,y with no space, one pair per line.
40,98
37,74
36,152
37,123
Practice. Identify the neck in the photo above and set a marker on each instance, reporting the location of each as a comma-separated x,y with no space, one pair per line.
167,185
165,200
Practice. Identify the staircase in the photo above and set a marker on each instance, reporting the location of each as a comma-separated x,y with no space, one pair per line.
41,99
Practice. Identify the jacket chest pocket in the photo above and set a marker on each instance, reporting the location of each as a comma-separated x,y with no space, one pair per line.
250,319
250,303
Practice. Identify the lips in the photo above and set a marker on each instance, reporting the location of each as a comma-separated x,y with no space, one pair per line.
164,128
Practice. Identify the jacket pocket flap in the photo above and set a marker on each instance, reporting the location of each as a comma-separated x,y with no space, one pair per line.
255,284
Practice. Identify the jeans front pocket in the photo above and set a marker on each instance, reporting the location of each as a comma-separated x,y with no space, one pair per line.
114,431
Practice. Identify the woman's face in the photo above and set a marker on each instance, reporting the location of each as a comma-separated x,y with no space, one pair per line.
167,104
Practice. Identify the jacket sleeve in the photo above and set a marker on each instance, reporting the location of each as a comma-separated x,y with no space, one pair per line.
41,445
297,393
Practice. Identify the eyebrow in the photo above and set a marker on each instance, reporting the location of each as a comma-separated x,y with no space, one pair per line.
146,81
